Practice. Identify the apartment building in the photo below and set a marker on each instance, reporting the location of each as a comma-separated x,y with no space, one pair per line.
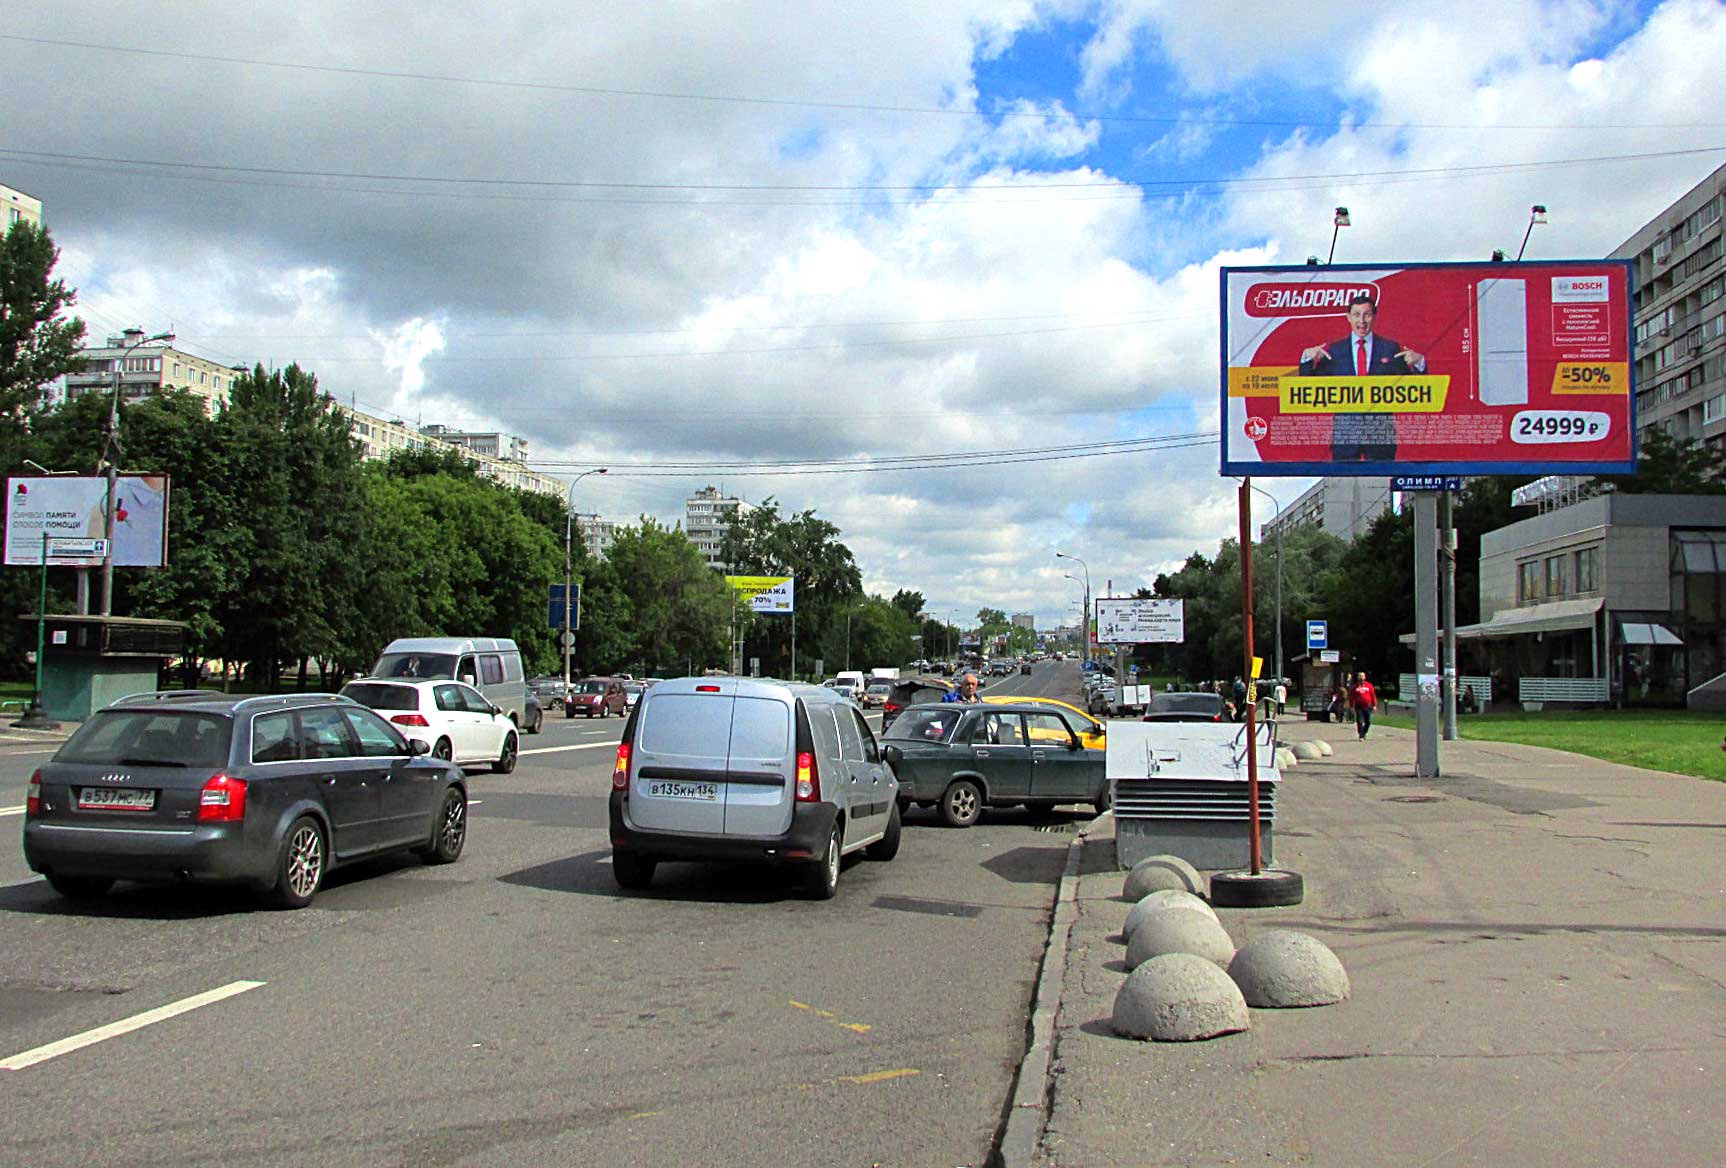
380,437
490,444
1343,506
144,368
1677,283
597,533
18,207
707,516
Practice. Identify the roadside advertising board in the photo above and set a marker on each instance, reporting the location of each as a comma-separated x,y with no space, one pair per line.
1130,621
1500,368
765,593
73,507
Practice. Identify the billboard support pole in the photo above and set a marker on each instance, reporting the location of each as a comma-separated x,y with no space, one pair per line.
1426,633
1246,516
1447,550
36,718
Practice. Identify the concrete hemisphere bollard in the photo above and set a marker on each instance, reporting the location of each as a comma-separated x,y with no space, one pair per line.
1285,759
1179,930
1306,751
1324,747
1281,968
1154,873
1178,997
1156,902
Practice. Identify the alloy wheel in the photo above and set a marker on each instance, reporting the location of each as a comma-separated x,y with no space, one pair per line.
305,860
453,829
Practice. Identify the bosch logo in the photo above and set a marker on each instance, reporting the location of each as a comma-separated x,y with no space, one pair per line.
1256,428
1305,299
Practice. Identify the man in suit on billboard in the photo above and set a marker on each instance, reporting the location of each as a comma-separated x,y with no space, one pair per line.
1363,353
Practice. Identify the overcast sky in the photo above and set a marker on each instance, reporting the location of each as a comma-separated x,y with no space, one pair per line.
712,237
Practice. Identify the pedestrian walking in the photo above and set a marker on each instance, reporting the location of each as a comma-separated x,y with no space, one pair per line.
1363,700
1282,696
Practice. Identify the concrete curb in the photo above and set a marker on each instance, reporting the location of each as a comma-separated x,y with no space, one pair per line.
1029,1112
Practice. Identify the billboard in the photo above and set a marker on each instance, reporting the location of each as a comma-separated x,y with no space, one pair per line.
1129,621
74,506
1497,368
765,593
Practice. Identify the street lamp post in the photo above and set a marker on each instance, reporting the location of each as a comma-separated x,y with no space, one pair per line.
1536,214
568,538
108,455
1338,221
1085,621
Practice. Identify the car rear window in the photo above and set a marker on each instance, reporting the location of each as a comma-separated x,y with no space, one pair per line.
1192,703
696,725
760,729
381,696
925,725
150,738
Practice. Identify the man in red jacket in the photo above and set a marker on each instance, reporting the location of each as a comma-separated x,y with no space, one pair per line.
1363,700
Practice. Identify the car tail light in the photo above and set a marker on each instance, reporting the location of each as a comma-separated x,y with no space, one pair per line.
223,800
33,795
808,779
620,769
706,689
409,719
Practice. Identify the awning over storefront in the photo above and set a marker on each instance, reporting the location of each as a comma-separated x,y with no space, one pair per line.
1638,633
1555,616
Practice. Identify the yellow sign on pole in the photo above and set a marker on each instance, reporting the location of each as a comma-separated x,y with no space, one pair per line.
764,593
1258,667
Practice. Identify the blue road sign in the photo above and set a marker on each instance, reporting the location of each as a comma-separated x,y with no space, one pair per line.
1426,482
555,609
1317,634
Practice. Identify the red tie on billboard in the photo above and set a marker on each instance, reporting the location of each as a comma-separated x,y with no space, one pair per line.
1360,357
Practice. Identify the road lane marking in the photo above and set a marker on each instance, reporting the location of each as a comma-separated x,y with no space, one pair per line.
42,1054
577,746
829,1015
11,810
879,1076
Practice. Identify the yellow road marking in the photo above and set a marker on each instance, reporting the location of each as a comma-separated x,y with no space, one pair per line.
879,1076
854,1027
645,1114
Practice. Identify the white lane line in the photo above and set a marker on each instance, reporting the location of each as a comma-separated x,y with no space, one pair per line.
42,1054
11,810
577,746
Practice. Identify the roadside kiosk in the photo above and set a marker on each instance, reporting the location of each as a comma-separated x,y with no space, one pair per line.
90,661
1318,676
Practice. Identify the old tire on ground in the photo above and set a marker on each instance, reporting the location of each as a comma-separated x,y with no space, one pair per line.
961,804
887,846
1269,889
300,867
80,887
632,871
449,833
506,757
824,877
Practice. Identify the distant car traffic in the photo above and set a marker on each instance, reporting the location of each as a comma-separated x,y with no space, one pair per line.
271,792
533,715
960,759
875,695
549,691
455,721
596,697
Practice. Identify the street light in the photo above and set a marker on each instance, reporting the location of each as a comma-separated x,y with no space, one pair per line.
1536,214
848,613
568,536
108,444
1279,539
1085,623
1338,222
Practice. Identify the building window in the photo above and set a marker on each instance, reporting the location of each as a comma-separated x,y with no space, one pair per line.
1557,575
1528,582
1588,569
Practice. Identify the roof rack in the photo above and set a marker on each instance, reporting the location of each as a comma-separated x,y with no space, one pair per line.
168,695
288,701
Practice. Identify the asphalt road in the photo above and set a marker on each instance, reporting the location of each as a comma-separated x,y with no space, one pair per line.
517,1008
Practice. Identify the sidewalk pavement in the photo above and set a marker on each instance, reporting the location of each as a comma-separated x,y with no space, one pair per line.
1536,943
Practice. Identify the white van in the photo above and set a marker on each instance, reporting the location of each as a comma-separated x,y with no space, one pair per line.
491,665
732,768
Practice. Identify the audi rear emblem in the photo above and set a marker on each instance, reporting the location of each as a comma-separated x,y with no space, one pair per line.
118,777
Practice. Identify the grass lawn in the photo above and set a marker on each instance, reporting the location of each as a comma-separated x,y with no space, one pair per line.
1680,741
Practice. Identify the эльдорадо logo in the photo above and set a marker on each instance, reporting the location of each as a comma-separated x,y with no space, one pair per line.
1306,298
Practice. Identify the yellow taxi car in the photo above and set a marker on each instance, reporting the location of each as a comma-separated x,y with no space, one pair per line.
1092,733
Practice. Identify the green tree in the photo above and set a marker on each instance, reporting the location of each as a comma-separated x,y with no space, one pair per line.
1673,466
910,603
763,542
38,342
681,607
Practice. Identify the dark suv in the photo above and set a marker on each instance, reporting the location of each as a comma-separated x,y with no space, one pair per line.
271,792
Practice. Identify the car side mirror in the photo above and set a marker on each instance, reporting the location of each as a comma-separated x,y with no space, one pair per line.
890,753
1075,744
417,748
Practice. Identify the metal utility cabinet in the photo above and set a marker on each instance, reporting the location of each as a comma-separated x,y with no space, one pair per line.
1180,788
90,661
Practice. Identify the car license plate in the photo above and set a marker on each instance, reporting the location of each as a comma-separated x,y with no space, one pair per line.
704,792
115,799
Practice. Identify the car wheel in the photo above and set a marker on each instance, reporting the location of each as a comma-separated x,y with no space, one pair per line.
81,887
887,846
962,804
506,757
633,872
1105,799
443,750
300,869
538,723
449,833
824,880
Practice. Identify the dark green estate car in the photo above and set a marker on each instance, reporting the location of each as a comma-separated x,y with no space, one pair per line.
961,758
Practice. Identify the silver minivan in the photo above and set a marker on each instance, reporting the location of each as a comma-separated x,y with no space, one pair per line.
491,665
736,768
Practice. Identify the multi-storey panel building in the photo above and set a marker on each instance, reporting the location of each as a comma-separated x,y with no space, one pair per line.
707,516
143,368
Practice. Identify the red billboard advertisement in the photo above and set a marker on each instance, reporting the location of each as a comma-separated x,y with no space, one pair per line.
1497,368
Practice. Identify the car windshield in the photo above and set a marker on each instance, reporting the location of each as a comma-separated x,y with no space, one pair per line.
925,725
175,738
880,687
591,687
428,665
382,696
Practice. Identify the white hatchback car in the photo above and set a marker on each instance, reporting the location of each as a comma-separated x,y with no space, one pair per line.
455,721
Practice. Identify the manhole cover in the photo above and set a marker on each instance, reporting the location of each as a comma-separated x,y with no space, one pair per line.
1413,799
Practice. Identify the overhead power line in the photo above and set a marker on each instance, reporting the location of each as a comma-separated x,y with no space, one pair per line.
816,103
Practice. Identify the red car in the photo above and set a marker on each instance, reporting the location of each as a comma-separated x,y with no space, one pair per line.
596,697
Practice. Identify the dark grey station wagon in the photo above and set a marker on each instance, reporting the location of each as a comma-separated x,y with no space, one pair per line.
271,792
